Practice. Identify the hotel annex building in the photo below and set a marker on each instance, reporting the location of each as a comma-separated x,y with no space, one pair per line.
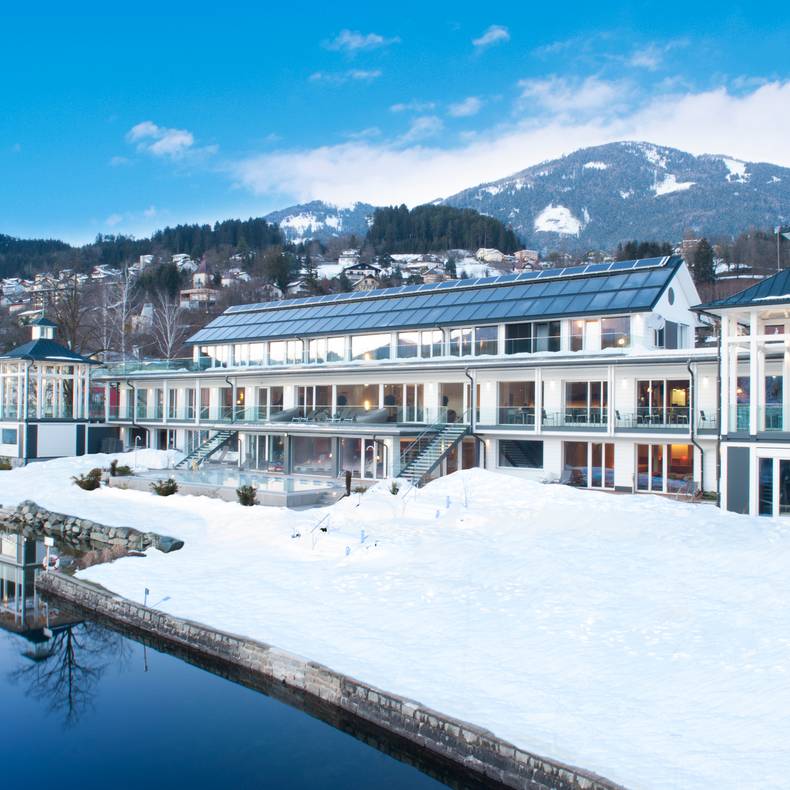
586,375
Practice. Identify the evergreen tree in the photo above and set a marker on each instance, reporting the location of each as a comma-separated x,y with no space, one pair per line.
436,229
702,268
278,268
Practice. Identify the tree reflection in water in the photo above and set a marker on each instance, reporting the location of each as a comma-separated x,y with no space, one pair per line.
65,676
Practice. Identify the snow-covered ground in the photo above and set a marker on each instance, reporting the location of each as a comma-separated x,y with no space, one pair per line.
642,638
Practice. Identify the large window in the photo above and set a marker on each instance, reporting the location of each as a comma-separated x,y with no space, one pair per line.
585,335
546,336
486,340
665,468
370,347
527,338
217,356
265,452
312,455
248,354
426,343
286,352
516,403
408,345
586,402
521,454
461,342
662,402
357,397
616,332
588,464
326,349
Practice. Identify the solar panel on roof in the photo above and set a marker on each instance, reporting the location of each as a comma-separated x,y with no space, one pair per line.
577,290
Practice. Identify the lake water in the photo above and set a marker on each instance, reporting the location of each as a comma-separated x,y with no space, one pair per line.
89,708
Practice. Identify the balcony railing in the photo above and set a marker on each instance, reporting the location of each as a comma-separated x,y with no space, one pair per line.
770,418
592,418
155,366
516,415
320,414
647,419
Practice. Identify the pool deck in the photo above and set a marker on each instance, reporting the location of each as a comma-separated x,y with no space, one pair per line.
321,495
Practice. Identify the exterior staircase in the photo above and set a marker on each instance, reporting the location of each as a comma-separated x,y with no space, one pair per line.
197,457
428,450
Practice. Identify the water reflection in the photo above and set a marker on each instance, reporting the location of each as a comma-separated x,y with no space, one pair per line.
64,670
83,686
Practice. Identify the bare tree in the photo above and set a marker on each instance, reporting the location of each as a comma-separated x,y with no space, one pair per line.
68,675
72,312
168,328
121,305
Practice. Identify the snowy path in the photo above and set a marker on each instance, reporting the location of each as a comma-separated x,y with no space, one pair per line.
644,639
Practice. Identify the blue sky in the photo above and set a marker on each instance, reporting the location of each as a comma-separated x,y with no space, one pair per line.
125,122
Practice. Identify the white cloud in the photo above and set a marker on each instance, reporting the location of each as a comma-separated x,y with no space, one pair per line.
471,105
363,134
352,41
165,142
496,34
150,211
651,56
561,94
413,106
113,220
422,128
118,161
751,126
342,77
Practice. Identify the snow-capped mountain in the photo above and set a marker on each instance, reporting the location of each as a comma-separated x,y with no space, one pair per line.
322,221
597,197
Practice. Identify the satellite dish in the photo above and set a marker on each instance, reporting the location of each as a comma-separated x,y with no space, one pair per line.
655,321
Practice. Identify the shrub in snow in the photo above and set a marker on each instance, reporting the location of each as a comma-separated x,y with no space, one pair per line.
247,495
90,481
165,487
5,463
119,471
359,489
394,488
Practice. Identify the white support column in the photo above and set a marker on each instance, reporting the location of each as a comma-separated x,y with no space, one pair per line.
610,400
786,385
726,392
538,400
39,386
754,373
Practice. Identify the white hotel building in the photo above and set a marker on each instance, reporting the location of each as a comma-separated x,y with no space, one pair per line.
587,375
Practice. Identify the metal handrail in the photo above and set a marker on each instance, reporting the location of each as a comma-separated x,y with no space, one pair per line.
416,447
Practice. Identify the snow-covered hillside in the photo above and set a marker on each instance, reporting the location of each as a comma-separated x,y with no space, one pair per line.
632,190
642,638
322,221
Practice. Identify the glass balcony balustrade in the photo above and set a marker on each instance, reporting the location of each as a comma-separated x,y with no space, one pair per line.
770,419
647,418
594,418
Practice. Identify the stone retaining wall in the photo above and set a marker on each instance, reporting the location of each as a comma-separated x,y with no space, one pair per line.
475,748
30,519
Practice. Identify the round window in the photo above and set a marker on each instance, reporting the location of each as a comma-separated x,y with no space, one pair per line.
671,296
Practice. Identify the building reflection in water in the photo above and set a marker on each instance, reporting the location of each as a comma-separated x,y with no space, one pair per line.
64,656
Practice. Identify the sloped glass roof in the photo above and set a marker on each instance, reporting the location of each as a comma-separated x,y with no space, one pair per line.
773,290
618,287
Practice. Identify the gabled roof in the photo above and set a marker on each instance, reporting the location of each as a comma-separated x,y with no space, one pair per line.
590,289
771,291
42,321
45,350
